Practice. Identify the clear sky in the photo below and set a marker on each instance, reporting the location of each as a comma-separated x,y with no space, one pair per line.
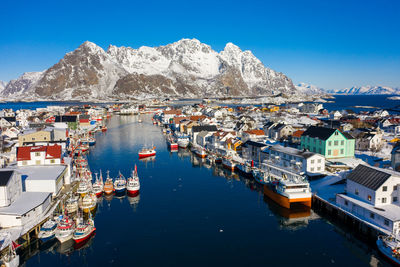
329,43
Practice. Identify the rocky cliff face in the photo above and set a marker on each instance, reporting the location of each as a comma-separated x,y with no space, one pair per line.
187,68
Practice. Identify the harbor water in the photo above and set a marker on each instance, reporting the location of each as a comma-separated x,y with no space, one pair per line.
189,213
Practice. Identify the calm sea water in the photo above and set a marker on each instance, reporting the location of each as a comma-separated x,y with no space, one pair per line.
191,214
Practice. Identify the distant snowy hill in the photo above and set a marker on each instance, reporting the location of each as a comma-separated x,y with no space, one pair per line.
187,68
2,86
309,89
367,90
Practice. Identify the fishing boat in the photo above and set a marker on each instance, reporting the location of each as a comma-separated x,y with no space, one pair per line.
82,188
71,204
172,144
11,258
104,128
88,203
120,184
218,160
389,246
98,185
285,192
84,231
65,229
245,169
228,164
200,152
133,184
47,231
183,142
108,185
260,176
147,152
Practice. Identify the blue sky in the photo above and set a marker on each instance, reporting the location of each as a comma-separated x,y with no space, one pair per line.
332,44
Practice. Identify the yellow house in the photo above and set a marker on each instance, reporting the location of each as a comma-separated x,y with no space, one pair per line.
35,136
233,144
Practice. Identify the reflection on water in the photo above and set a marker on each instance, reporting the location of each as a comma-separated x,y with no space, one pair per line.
192,212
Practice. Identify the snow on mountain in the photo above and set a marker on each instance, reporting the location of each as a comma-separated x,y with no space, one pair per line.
309,89
367,90
23,86
186,68
2,86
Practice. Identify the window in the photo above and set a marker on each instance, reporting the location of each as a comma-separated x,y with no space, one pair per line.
342,142
312,161
44,138
24,163
336,133
356,192
33,138
384,189
369,198
372,215
319,160
37,154
53,161
386,222
329,143
38,162
394,187
320,142
319,168
312,169
394,199
329,152
346,202
384,200
342,151
336,143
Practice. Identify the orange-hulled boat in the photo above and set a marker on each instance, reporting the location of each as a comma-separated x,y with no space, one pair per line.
286,192
108,186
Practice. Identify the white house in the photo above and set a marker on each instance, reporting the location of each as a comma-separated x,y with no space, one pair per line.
372,194
10,186
39,155
299,161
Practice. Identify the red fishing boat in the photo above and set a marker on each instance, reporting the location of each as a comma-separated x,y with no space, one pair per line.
147,152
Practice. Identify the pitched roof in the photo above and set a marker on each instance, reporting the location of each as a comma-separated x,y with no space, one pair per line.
5,176
298,133
320,132
252,143
369,177
52,152
210,128
256,132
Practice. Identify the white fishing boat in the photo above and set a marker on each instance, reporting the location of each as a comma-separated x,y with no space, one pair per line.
228,163
98,185
65,229
133,184
71,205
47,231
183,142
84,230
120,184
83,188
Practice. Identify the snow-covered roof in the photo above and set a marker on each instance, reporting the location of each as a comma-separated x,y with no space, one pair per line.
25,202
42,172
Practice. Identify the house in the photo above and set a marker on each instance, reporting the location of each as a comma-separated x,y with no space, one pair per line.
369,141
201,138
372,194
336,115
39,155
233,143
299,161
253,151
10,186
169,114
331,143
347,127
395,157
188,127
71,120
207,128
312,108
253,135
296,136
32,136
84,120
280,131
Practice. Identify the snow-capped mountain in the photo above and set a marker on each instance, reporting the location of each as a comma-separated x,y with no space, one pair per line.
187,68
2,86
367,90
309,89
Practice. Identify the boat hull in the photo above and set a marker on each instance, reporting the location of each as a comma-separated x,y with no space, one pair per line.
283,200
146,155
243,172
84,238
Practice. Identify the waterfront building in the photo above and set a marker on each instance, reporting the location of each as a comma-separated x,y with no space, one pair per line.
39,155
331,143
372,194
254,151
300,161
10,186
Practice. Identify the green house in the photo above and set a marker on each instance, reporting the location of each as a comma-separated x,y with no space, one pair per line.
328,142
